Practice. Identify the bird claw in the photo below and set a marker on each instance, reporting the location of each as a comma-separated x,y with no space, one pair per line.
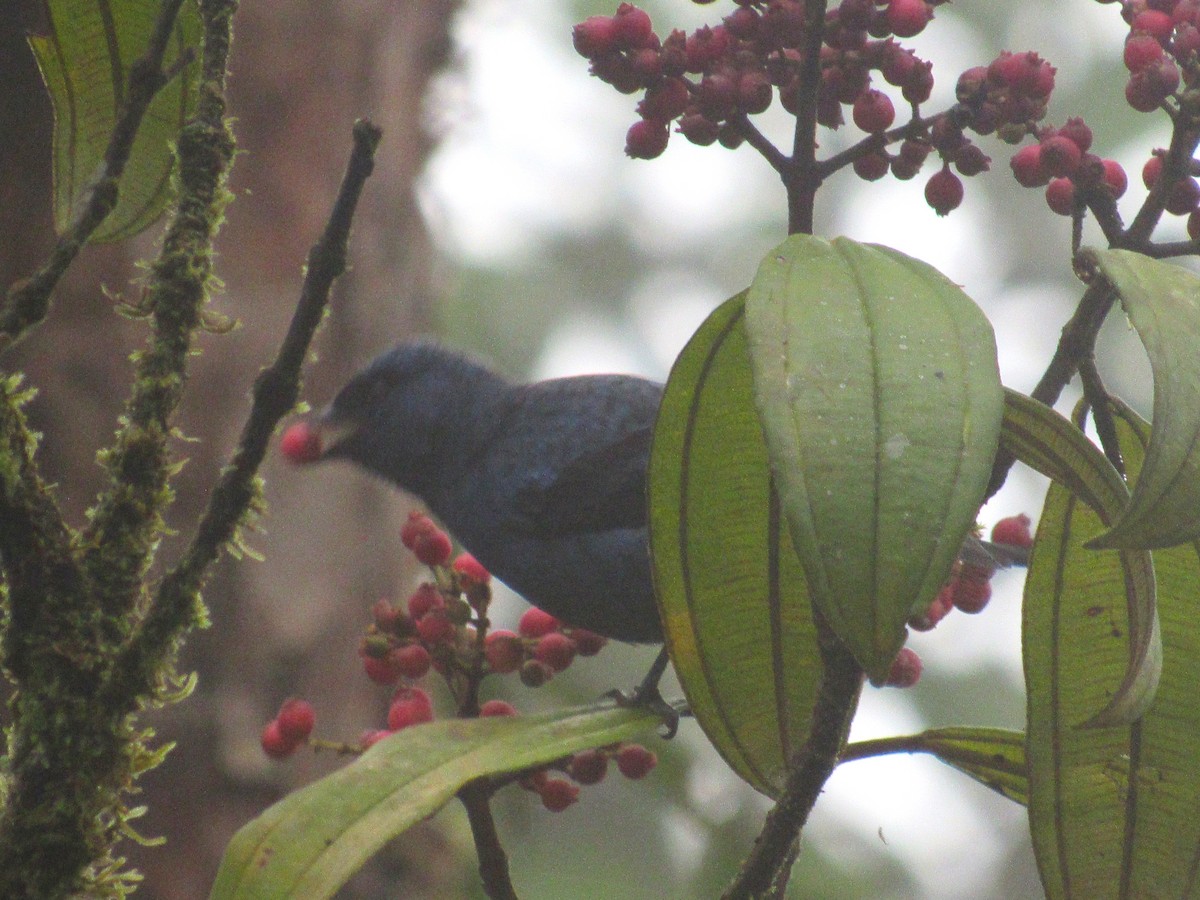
649,698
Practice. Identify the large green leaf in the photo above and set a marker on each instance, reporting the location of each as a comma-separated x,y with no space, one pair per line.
85,57
995,757
309,843
1044,440
1112,810
877,384
1163,303
735,608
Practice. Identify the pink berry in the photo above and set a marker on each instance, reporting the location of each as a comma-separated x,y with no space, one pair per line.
435,627
296,719
432,548
503,651
634,761
1013,530
381,669
300,444
535,673
410,706
1152,170
1184,197
1157,25
494,708
704,47
555,650
468,567
646,139
558,793
1115,178
1060,196
944,192
698,129
1027,167
588,766
971,595
665,101
1140,51
872,166
906,669
594,36
873,111
275,743
1060,156
536,623
425,599
938,609
412,660
632,27
415,526
908,18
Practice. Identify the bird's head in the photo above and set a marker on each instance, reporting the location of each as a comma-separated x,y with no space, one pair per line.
400,416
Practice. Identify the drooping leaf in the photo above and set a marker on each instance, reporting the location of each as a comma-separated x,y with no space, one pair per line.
995,757
85,56
1163,303
1044,440
877,384
309,843
735,606
1112,810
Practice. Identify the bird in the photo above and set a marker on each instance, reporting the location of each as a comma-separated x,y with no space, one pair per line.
543,483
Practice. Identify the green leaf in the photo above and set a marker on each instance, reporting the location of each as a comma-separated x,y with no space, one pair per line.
85,57
308,844
995,757
1044,440
731,590
1112,810
877,385
1163,303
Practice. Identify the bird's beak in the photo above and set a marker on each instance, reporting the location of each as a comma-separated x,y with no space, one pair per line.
333,431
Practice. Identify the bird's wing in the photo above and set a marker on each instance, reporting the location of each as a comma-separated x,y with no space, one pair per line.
598,490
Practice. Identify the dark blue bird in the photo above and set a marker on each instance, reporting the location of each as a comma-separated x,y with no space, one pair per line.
545,483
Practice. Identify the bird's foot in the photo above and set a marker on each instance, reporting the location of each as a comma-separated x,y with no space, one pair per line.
647,696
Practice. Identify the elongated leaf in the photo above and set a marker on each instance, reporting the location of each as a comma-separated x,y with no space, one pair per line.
1044,440
877,384
1163,303
85,58
732,593
309,843
995,757
1112,810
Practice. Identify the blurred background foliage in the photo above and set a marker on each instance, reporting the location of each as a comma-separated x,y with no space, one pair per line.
504,218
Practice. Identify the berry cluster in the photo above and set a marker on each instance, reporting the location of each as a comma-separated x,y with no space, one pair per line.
443,626
968,590
711,79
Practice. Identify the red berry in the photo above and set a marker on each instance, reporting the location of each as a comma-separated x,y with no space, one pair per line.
503,651
704,47
646,139
588,643
1027,166
634,761
594,36
873,111
1140,51
296,719
1114,177
1183,198
588,766
497,708
742,22
415,526
665,101
937,610
435,627
536,623
906,669
556,650
301,443
970,160
410,706
432,548
944,192
471,569
872,166
1060,156
1013,530
908,18
632,27
1060,196
558,793
411,661
275,743
1157,25
1152,170
971,595
699,129
381,669
387,617
425,599
753,92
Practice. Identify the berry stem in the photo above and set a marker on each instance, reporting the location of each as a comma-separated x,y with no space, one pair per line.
803,176
1176,165
493,861
765,871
